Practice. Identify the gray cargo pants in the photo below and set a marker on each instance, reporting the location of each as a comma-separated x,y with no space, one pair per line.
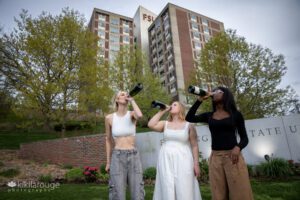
126,168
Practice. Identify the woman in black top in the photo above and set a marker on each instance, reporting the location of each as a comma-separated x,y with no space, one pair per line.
228,172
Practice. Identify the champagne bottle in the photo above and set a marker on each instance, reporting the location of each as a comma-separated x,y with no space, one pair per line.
136,90
197,91
158,104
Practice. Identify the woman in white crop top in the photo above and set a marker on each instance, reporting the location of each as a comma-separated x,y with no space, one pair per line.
178,160
123,160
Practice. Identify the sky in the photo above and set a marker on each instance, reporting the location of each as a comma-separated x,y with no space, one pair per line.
274,24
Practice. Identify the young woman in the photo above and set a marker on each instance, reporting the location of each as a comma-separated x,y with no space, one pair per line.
178,160
123,161
228,172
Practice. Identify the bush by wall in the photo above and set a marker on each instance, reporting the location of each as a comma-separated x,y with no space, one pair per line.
274,168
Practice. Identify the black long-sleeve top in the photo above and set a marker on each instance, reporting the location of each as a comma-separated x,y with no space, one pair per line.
223,132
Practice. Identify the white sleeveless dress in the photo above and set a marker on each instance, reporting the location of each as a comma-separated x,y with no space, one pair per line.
175,178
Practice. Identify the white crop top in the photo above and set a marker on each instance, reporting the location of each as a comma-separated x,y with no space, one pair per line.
122,126
179,135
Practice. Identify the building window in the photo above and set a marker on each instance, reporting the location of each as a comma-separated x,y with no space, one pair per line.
166,25
102,17
101,24
196,35
125,23
126,39
152,31
206,30
165,17
114,39
197,45
114,21
195,26
157,24
101,43
101,34
206,38
193,18
204,22
112,55
114,47
197,54
126,30
114,29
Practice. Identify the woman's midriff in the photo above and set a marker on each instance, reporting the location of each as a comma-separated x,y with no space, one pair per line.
125,142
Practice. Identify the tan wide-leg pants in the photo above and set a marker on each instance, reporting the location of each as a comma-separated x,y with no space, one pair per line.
227,180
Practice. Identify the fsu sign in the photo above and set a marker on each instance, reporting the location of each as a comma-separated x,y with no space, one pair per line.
148,18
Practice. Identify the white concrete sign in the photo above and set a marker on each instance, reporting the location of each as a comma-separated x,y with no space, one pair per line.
277,137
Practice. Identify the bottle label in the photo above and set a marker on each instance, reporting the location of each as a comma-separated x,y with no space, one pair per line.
197,90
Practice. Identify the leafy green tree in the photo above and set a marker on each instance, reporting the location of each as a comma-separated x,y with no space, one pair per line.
253,74
130,67
43,59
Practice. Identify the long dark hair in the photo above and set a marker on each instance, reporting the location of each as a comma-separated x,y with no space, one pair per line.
227,101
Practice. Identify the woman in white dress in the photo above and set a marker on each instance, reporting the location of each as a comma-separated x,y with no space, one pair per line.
178,160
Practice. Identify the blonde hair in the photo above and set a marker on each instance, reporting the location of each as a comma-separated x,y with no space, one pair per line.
114,101
181,112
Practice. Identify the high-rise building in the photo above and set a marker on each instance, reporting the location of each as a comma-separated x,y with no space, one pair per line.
175,39
114,31
171,40
142,19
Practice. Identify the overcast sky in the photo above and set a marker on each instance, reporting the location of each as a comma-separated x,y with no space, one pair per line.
270,23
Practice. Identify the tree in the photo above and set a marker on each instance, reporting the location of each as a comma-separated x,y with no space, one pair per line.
253,74
130,67
43,58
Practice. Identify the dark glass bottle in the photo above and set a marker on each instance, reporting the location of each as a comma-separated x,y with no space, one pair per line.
158,104
197,91
136,90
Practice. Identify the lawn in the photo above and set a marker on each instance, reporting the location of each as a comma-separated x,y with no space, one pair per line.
263,190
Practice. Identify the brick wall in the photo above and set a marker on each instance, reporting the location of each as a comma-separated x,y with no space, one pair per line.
76,151
185,44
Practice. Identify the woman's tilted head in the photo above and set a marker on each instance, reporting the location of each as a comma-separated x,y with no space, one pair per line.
120,98
225,97
177,108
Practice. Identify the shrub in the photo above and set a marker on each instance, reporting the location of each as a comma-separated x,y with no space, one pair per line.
67,166
45,178
75,175
74,125
276,167
203,164
90,173
45,164
10,173
150,173
102,169
251,171
295,167
103,178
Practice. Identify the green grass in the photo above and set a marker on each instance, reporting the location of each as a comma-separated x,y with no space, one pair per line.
12,140
263,190
9,173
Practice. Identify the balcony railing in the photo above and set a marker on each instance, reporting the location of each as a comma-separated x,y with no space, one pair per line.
173,90
171,78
